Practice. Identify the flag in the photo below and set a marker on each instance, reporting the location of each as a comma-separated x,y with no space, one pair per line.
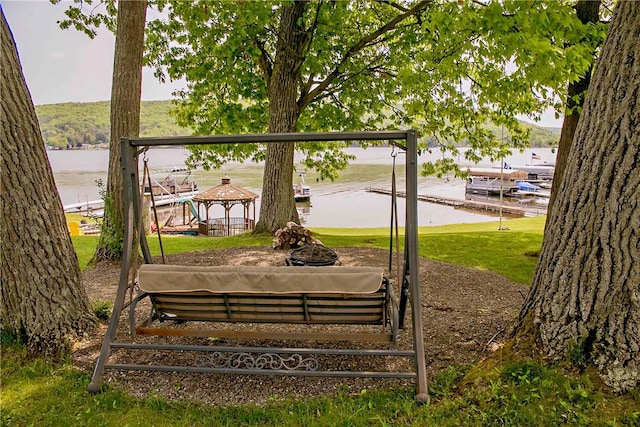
534,156
507,165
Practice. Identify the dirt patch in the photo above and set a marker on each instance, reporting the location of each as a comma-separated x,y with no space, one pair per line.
464,313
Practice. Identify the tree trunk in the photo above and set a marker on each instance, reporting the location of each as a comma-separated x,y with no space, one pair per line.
587,11
43,300
584,304
277,204
125,118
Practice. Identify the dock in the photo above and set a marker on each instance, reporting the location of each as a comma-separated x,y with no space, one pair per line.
507,209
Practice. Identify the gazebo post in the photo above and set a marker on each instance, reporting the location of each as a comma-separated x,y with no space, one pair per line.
227,215
246,215
206,223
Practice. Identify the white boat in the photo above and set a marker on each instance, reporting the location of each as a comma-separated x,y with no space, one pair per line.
539,172
491,182
178,181
302,191
84,207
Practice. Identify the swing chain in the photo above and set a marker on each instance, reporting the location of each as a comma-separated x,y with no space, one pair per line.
394,152
393,226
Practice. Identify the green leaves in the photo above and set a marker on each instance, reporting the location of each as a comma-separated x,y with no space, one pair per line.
490,64
444,68
87,15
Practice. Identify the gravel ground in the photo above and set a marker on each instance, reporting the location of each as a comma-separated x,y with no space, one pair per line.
465,313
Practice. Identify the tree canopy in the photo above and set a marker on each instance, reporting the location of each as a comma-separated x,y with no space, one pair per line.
444,68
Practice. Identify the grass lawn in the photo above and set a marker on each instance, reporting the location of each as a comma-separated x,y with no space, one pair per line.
35,392
483,246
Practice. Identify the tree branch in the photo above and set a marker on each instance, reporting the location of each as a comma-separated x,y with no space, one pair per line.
330,91
310,31
359,46
264,61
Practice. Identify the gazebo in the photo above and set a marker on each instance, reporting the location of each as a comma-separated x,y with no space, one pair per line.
226,195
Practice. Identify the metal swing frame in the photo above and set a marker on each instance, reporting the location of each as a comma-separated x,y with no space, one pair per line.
132,148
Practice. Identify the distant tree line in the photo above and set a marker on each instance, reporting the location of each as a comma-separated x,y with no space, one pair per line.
538,137
76,124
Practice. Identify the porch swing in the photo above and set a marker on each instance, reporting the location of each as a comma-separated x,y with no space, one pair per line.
301,297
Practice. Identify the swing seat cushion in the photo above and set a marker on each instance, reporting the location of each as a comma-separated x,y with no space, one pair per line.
160,278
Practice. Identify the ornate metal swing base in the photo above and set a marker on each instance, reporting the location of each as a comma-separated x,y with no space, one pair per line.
262,361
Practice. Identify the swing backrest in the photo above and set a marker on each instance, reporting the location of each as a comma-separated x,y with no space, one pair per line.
314,295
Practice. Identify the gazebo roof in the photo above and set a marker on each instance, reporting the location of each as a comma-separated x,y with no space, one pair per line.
225,192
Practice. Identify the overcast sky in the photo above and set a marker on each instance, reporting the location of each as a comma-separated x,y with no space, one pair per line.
68,66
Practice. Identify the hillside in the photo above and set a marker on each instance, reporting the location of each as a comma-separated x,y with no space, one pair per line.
539,137
553,130
87,123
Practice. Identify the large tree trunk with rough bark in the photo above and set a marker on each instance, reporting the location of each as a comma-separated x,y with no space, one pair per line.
125,118
277,204
587,11
43,300
584,304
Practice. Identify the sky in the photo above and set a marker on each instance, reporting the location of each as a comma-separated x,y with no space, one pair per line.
67,66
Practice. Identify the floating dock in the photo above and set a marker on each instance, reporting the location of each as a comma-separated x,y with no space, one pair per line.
507,209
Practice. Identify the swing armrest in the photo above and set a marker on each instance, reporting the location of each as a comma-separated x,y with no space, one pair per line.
393,311
132,311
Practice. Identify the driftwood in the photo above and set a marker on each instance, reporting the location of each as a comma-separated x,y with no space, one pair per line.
293,236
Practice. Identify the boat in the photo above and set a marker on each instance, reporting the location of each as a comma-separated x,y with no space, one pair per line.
181,217
302,191
527,186
491,182
538,172
304,209
178,181
89,207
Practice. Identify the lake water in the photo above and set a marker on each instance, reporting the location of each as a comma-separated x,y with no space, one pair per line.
342,203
